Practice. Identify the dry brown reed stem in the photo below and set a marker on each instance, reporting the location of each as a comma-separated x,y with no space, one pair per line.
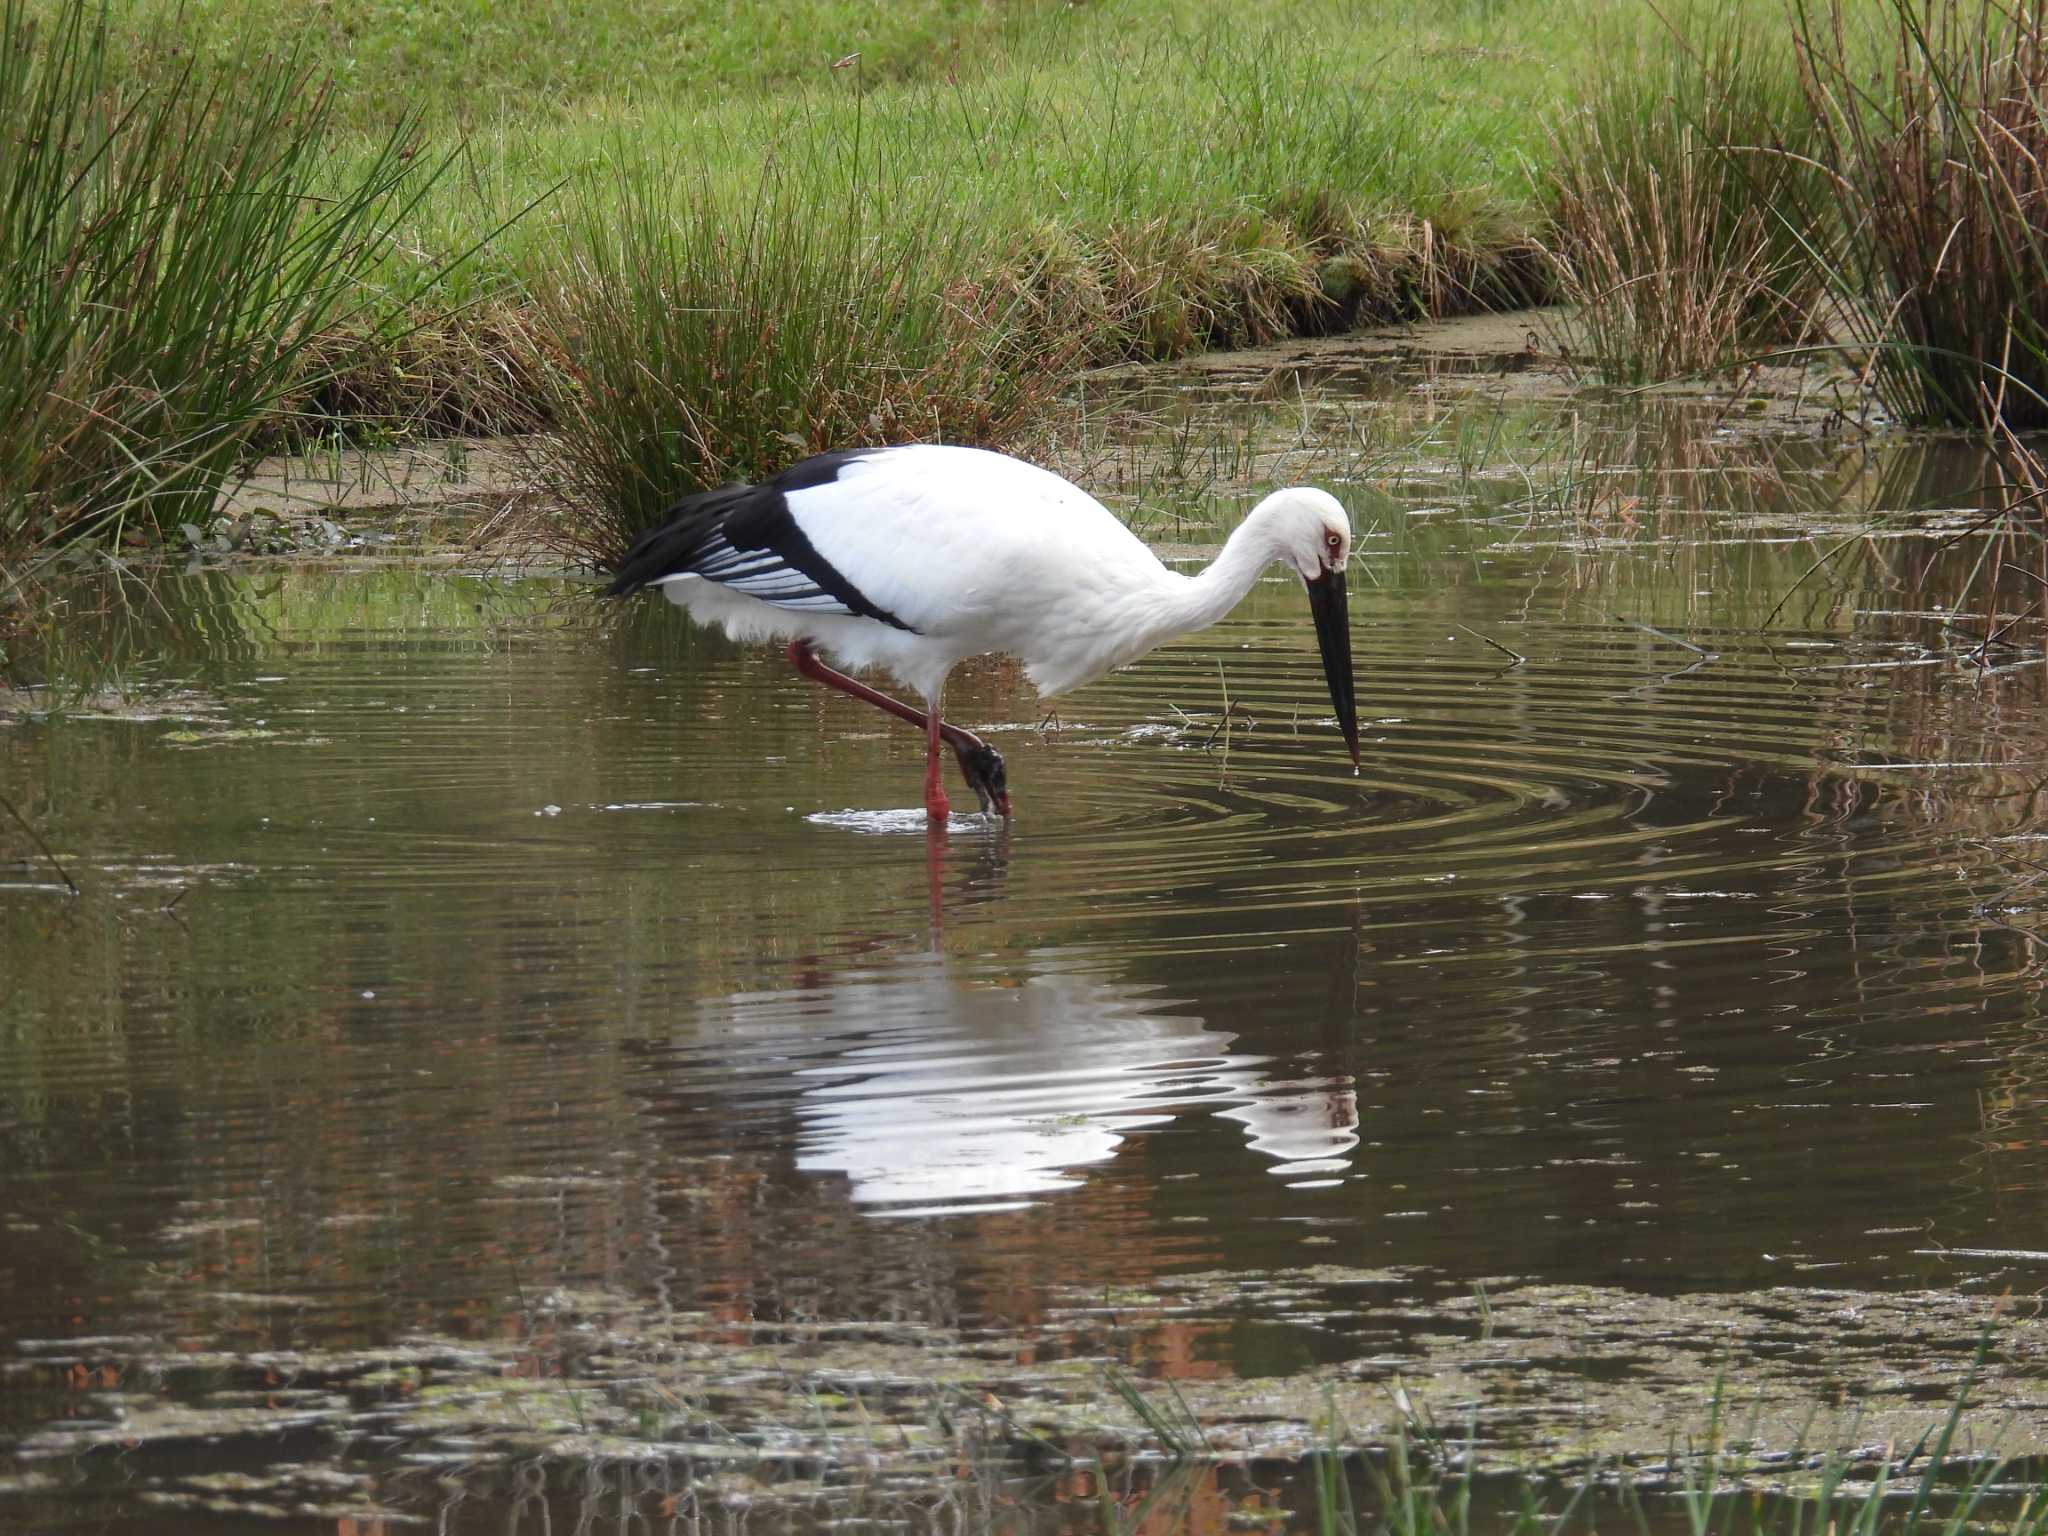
1939,183
1656,300
1667,194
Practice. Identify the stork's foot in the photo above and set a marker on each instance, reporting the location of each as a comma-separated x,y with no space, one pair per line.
981,765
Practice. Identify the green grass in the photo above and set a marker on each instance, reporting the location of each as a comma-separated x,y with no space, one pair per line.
696,333
1355,122
929,257
1871,173
1424,1484
468,63
1041,186
1919,1490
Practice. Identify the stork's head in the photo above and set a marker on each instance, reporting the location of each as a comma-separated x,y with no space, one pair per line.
1310,532
1309,529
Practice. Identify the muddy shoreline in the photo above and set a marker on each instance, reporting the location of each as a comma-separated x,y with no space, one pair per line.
441,491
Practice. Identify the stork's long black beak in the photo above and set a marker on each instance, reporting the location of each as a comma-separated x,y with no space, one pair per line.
1326,600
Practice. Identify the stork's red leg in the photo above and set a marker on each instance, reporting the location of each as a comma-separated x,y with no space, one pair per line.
975,754
806,661
935,808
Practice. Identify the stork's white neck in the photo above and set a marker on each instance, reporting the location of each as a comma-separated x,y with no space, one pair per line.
1188,603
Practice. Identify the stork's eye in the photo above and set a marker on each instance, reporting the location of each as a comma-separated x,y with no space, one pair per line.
1334,540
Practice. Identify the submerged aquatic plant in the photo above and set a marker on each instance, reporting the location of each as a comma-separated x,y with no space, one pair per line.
173,250
1422,1484
1932,222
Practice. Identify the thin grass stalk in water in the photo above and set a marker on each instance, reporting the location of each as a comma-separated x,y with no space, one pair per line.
1178,1430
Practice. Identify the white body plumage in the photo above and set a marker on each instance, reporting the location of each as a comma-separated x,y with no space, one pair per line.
976,551
915,558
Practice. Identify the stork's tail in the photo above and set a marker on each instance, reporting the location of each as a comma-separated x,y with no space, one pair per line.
672,547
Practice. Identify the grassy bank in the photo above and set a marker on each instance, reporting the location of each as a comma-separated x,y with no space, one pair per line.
696,246
930,263
470,64
1131,182
1064,187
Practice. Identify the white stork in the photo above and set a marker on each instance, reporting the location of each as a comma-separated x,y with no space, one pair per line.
914,558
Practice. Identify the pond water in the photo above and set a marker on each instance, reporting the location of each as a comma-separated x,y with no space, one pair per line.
461,972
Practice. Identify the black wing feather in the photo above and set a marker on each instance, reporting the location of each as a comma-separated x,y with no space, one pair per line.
678,544
744,537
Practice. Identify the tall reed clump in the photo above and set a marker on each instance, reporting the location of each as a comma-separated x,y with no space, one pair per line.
171,252
1938,184
1667,191
700,331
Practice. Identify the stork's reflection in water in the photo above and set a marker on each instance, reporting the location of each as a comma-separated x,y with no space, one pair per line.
973,1092
954,1077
